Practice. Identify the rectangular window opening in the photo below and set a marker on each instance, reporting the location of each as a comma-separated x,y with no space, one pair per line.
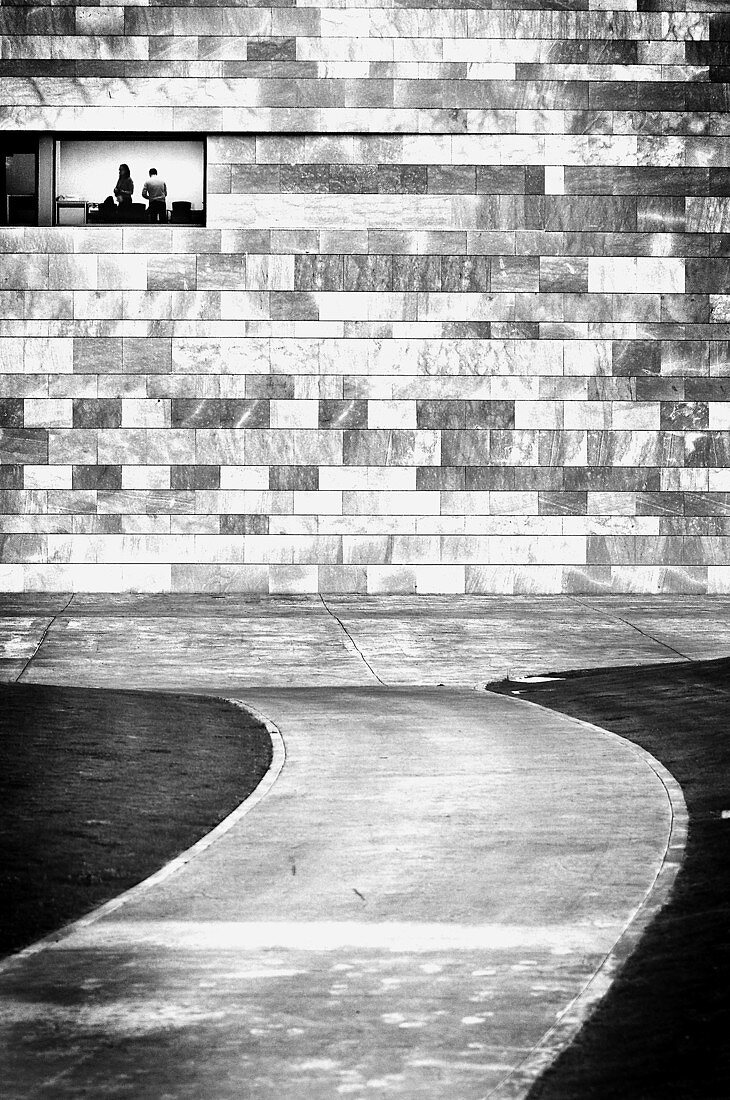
75,180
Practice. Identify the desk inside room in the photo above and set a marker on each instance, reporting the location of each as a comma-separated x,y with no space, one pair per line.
71,211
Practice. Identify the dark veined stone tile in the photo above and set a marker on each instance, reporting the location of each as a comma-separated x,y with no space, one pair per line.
97,412
489,414
440,478
97,355
608,479
707,389
688,415
465,274
466,330
96,477
692,309
707,275
707,504
440,414
562,503
318,272
635,357
584,214
515,330
535,179
307,179
11,476
414,179
515,273
271,49
563,275
241,412
707,449
659,389
297,478
389,179
354,179
141,355
274,387
500,180
11,412
539,478
244,525
368,273
660,504
451,179
286,306
343,414
195,477
195,412
24,445
417,273
612,52
254,179
482,479
38,20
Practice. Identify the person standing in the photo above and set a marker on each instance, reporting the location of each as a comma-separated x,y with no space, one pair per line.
155,191
125,186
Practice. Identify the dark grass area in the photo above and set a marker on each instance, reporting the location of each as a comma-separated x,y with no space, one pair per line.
98,789
663,1030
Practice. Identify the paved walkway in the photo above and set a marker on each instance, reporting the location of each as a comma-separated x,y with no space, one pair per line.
412,909
234,642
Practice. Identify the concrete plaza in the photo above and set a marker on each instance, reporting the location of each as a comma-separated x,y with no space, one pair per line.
427,894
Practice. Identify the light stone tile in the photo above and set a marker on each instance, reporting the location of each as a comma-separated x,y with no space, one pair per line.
587,414
318,502
718,480
145,477
244,477
118,272
372,478
390,502
138,413
678,480
539,414
51,413
440,579
719,416
391,579
293,579
391,414
639,415
294,414
47,477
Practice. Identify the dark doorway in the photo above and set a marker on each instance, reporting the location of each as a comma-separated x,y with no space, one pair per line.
19,181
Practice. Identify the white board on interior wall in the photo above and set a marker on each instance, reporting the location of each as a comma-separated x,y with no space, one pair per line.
89,169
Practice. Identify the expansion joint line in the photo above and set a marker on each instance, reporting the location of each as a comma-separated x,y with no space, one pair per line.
626,622
43,637
352,641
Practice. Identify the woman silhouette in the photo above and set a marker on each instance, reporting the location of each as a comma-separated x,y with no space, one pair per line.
125,186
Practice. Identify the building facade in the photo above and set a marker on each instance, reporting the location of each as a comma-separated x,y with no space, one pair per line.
454,315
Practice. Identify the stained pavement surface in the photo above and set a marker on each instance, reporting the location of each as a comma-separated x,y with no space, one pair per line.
408,910
412,909
231,642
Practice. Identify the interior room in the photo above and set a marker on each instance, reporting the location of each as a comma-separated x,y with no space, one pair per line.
88,172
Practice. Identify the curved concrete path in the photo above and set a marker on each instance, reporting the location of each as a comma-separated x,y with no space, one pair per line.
432,880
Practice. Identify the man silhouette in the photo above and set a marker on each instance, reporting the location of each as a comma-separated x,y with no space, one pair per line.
155,191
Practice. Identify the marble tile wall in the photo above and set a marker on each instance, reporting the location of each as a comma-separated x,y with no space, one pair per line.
459,319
